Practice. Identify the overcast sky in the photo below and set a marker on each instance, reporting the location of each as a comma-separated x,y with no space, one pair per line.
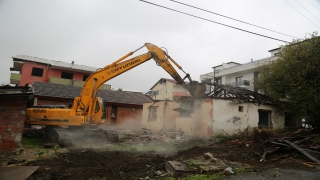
97,32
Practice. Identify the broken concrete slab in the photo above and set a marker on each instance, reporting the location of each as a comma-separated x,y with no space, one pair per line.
17,172
175,168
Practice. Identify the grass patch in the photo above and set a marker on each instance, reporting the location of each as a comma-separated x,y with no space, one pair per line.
32,142
204,177
191,165
243,169
226,137
169,178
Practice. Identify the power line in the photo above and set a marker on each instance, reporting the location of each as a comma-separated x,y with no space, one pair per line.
231,18
307,10
213,21
313,5
301,14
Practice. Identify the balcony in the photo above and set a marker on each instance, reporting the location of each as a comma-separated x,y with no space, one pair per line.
15,78
71,82
242,83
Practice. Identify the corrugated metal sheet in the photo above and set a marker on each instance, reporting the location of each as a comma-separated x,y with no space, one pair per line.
55,64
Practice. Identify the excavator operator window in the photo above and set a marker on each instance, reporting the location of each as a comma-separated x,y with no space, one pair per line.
97,108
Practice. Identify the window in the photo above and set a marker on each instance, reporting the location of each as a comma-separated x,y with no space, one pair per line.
240,108
160,91
239,78
37,72
66,75
238,81
85,77
219,80
97,108
167,90
152,113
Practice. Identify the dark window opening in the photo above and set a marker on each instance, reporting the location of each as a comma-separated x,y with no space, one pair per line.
97,108
66,75
240,108
289,120
218,80
264,118
37,72
85,77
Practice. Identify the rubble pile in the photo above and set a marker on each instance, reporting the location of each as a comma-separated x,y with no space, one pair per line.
146,136
305,141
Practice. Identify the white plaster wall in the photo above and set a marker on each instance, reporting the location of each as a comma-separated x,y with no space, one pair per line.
200,122
228,119
165,116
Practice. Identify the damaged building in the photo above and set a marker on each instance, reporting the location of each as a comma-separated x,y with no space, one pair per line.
13,104
28,69
230,110
121,106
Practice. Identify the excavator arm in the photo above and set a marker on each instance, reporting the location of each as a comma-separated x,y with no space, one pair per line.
96,79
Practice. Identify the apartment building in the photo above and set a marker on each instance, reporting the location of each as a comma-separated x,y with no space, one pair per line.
32,69
236,74
167,89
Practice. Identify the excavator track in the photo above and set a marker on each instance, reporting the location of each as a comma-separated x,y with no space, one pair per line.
68,136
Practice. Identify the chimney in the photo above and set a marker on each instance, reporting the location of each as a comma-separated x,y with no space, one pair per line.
72,62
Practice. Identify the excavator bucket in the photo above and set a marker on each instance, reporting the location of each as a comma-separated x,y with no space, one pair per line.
196,89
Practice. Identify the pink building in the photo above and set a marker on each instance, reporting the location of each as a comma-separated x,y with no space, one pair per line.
33,69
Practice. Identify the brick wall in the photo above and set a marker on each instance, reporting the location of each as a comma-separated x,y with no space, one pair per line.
125,114
12,119
129,117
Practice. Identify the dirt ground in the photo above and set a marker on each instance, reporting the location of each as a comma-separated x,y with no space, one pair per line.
137,159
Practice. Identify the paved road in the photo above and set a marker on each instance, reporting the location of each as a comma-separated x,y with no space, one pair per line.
278,174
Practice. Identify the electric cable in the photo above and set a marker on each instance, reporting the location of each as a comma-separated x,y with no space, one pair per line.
214,21
314,6
307,10
232,18
301,14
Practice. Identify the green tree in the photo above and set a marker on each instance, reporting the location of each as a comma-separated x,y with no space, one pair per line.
294,78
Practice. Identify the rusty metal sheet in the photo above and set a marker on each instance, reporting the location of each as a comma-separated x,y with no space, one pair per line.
17,172
302,151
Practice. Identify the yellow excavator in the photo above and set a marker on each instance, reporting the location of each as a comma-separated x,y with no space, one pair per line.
89,111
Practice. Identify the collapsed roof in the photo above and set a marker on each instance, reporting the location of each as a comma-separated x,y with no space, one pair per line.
238,94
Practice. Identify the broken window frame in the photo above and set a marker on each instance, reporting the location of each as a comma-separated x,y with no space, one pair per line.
152,113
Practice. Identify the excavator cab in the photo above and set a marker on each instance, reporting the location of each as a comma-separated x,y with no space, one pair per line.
100,114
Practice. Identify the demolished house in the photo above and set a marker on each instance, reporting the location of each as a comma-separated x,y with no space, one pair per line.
226,109
13,104
121,106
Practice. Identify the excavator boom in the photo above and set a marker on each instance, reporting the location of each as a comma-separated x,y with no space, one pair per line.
96,79
87,109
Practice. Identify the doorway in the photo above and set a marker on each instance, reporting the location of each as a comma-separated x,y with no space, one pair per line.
114,111
264,118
